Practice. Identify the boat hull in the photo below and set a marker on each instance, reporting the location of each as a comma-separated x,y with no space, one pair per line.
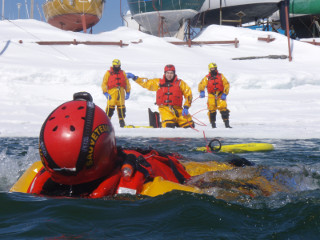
73,15
253,11
311,7
172,21
163,17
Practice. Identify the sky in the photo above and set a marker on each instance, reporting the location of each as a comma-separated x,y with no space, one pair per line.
111,18
268,98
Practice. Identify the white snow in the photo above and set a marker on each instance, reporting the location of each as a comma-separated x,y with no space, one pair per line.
269,98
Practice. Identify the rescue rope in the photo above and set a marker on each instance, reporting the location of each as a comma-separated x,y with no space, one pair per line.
193,115
37,38
210,148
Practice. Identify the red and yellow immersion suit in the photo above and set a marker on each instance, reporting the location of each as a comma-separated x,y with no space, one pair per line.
157,173
147,165
216,86
169,100
116,84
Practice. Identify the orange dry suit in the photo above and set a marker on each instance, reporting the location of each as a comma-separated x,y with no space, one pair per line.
169,99
116,84
216,85
145,164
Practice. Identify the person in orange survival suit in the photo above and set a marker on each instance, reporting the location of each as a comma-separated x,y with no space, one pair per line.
170,92
78,151
218,88
116,87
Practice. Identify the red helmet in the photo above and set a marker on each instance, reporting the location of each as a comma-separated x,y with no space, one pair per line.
77,142
169,67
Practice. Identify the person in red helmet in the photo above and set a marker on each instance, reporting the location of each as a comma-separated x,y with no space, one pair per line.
80,158
170,93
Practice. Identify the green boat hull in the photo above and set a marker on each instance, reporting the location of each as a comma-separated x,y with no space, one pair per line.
305,7
146,6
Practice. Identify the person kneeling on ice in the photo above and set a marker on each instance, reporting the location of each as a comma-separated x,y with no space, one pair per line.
78,151
218,88
170,92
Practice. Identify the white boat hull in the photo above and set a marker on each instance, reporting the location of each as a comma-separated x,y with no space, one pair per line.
172,21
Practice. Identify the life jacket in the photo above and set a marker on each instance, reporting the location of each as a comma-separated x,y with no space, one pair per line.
116,79
169,93
146,165
215,83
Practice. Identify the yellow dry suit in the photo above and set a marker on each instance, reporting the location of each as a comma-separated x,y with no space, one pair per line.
216,85
169,100
116,84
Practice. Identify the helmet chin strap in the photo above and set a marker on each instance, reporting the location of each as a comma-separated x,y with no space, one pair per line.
116,69
86,136
214,72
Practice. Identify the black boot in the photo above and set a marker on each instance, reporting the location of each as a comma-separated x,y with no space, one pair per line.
212,118
122,123
225,117
110,111
226,123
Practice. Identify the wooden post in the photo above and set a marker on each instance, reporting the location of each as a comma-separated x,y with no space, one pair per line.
189,42
84,24
287,27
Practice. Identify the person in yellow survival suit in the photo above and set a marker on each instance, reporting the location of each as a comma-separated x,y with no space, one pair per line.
116,87
218,88
78,152
170,92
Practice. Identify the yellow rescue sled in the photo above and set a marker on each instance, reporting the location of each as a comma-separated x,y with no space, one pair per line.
237,148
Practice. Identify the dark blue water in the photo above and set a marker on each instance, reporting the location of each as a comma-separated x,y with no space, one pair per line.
175,215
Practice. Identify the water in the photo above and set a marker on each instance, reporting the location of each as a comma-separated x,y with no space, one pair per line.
175,215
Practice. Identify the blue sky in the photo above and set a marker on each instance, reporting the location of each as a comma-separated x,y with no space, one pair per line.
110,20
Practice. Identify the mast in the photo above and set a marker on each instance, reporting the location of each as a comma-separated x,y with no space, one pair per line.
2,9
27,8
19,6
39,12
31,9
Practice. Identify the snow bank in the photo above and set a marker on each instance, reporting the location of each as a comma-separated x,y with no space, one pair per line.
269,98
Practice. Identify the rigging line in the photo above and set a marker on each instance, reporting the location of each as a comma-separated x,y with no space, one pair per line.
37,38
5,47
121,15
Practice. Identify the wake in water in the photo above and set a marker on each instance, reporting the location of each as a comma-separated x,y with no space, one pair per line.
239,184
256,181
13,166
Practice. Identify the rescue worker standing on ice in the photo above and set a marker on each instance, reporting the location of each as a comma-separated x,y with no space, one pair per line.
218,88
116,87
170,92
